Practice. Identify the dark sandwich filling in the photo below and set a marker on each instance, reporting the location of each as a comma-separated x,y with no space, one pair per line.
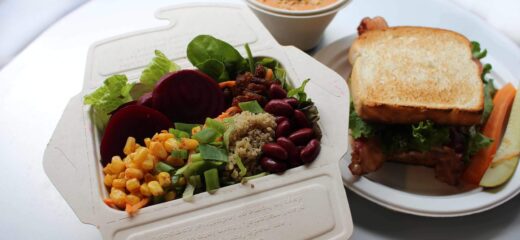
447,149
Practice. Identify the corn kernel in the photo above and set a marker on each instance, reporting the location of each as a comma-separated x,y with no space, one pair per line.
106,169
145,190
164,135
129,146
119,197
171,144
132,199
155,137
132,184
119,183
108,180
140,155
155,188
164,179
121,175
189,144
133,173
195,130
147,142
157,149
148,164
170,196
176,162
117,165
148,177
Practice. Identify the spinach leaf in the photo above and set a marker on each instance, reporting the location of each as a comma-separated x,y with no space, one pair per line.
204,47
299,92
215,69
250,59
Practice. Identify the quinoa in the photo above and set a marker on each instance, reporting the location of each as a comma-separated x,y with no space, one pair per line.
251,132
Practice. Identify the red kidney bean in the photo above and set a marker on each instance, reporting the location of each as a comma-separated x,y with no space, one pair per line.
276,92
292,151
280,119
278,107
311,151
275,151
273,166
300,119
302,136
292,101
283,129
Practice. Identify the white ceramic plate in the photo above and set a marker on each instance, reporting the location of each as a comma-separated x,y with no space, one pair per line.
414,189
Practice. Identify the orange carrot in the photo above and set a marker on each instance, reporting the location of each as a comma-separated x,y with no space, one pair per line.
269,74
494,128
227,84
110,202
132,209
229,112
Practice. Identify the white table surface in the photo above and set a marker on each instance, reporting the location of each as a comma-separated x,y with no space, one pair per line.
36,85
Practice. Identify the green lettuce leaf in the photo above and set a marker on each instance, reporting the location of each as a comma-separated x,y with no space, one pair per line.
299,92
107,98
476,142
476,51
426,135
358,127
158,67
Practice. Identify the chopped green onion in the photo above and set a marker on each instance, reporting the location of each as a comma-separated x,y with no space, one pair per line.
251,106
229,120
226,136
175,179
179,154
212,180
215,124
206,135
185,127
187,195
217,144
158,199
181,170
195,157
179,134
243,169
163,167
213,153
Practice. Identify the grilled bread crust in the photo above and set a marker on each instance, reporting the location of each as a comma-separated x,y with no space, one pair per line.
403,75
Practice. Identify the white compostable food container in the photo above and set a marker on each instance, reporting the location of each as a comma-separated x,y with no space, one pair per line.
302,203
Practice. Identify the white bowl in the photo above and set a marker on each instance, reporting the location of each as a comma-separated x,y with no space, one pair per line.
302,29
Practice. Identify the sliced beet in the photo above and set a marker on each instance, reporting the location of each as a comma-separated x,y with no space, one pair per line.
146,100
188,96
134,120
123,105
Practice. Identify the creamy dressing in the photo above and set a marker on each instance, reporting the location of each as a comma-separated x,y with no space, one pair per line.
297,5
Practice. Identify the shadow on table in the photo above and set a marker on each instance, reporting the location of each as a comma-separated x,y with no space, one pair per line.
379,222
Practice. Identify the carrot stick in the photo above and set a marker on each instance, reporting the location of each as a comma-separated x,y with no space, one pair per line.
132,209
227,84
494,128
229,112
269,74
110,202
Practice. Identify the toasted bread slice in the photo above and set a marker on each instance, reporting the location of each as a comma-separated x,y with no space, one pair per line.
409,74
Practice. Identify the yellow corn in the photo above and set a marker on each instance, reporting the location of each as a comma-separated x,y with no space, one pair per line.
171,144
132,199
129,146
133,173
145,190
119,183
164,179
140,155
132,184
127,160
195,130
189,144
119,197
106,169
169,196
117,165
164,135
147,142
149,163
149,177
155,188
176,162
157,149
108,180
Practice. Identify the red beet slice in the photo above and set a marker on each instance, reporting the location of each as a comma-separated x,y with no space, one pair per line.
134,120
123,105
188,96
146,100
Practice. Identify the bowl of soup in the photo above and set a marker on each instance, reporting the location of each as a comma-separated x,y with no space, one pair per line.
300,23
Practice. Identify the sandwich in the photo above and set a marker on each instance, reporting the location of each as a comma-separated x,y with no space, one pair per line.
419,96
